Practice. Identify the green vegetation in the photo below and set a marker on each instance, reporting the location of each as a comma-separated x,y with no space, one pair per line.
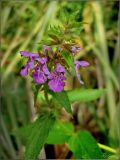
88,126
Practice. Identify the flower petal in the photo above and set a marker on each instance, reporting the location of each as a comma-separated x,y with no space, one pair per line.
57,78
81,63
47,48
79,78
29,54
56,85
24,71
45,69
30,64
75,49
51,76
41,60
39,77
78,64
59,68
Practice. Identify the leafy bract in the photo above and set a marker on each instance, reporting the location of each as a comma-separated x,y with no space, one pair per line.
84,95
62,99
70,61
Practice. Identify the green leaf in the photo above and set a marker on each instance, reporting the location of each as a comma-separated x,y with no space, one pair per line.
83,145
75,146
70,61
62,99
113,157
84,95
24,132
38,135
60,133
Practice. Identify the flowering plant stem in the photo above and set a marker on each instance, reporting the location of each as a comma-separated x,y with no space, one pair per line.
109,149
46,95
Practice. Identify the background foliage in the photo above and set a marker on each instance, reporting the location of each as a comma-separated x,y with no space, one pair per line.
25,26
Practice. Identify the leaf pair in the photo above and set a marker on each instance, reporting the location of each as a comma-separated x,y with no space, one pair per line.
37,133
82,144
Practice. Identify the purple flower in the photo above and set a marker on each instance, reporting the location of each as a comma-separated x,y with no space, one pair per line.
56,78
79,64
40,71
25,69
46,48
41,60
45,69
75,49
39,76
60,68
30,55
30,63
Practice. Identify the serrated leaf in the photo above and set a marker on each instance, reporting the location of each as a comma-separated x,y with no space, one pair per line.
84,95
62,99
38,135
60,133
83,145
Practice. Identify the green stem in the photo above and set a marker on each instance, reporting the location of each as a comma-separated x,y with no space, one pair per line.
109,149
46,95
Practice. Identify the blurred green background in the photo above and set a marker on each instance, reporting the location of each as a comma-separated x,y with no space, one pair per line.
23,25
